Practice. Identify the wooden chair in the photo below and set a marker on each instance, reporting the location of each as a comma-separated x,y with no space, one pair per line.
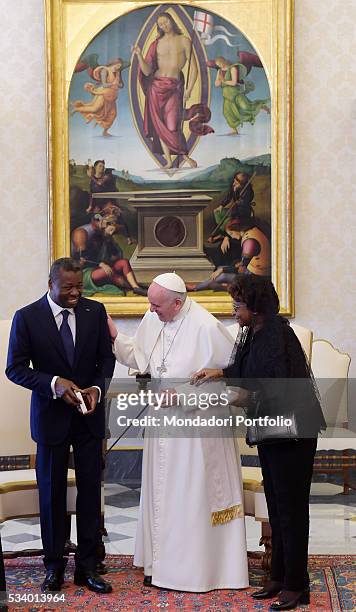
330,368
18,487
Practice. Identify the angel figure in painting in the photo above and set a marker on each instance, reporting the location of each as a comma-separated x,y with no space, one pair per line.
103,107
166,92
237,107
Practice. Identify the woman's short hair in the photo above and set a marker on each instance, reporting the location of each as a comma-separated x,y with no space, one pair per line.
257,293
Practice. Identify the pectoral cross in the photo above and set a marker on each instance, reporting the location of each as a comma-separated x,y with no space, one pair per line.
162,369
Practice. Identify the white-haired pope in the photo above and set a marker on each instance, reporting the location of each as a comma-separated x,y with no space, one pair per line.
191,530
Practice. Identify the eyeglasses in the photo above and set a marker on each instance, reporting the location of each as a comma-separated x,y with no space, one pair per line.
237,305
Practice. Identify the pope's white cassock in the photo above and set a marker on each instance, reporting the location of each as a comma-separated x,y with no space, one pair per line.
187,481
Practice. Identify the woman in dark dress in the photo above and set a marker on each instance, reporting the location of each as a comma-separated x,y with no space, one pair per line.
269,365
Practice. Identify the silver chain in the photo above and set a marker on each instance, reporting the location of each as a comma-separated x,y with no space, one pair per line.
162,367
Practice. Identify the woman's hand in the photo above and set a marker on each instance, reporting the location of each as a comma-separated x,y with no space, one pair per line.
204,375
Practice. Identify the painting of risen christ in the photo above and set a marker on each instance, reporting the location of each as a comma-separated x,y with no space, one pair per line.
172,75
170,153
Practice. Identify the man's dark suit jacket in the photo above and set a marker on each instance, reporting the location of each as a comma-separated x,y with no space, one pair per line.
35,338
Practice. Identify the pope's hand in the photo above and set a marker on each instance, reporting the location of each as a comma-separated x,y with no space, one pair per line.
170,398
112,328
205,375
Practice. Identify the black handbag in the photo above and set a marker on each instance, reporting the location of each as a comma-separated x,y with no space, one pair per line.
257,433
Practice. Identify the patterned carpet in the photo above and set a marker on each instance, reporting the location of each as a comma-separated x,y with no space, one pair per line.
332,585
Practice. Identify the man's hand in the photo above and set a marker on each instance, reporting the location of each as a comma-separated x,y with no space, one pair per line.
225,245
112,328
205,375
107,269
92,394
65,390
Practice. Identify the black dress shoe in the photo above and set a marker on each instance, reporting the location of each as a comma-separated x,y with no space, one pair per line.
271,589
53,581
92,580
289,602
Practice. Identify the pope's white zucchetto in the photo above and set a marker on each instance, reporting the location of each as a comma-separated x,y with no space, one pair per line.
171,280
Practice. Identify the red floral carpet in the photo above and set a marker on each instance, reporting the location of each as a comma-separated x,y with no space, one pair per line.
332,588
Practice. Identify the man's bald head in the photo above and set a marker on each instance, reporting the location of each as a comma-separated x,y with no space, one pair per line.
165,302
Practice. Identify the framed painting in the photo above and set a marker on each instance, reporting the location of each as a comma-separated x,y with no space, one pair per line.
170,145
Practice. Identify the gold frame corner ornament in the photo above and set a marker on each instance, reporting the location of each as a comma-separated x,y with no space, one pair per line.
274,43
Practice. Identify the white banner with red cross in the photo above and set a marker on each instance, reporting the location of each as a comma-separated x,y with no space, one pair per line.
209,33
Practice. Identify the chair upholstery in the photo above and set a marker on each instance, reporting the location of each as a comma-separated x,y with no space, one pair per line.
305,337
331,368
18,488
19,495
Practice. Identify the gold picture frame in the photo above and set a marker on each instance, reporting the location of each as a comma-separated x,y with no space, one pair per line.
268,25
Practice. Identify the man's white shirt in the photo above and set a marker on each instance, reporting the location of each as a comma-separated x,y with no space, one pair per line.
58,317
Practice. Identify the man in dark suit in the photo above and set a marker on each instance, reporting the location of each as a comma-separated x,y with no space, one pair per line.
66,339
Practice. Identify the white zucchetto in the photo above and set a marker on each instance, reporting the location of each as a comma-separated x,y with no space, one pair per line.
171,280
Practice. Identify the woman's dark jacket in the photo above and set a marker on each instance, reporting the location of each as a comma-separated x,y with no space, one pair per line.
272,362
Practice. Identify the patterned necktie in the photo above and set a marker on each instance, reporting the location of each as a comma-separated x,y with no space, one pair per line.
67,337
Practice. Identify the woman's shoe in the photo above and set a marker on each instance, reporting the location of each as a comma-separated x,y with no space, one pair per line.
290,600
271,589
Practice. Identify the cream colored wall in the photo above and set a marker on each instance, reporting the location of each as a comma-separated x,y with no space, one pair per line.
325,169
23,183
